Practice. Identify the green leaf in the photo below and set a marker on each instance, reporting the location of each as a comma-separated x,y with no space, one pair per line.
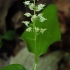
14,67
9,35
51,35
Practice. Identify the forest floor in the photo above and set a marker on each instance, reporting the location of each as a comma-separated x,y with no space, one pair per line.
26,58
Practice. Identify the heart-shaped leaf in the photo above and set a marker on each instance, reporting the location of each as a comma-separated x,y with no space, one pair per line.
14,67
9,35
51,35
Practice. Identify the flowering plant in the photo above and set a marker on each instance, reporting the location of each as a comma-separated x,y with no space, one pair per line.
33,28
38,34
41,33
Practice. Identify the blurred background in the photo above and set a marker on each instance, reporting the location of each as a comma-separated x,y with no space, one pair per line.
14,50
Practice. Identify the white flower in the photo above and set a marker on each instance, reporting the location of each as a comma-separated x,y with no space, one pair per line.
42,30
25,22
40,15
33,17
27,2
31,6
40,7
42,19
37,29
29,29
27,14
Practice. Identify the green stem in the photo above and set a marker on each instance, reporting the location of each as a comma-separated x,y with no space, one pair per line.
35,66
36,62
34,14
34,27
36,59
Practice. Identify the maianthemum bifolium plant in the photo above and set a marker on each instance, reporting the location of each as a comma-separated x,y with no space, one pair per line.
33,28
40,33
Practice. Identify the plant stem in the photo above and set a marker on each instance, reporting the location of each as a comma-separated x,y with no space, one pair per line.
36,62
34,27
35,35
35,66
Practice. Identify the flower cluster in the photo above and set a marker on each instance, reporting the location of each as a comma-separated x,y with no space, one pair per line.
36,29
40,7
32,6
34,17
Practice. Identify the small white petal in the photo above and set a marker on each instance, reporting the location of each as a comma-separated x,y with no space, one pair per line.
31,6
33,18
27,2
40,7
27,14
42,30
37,29
42,19
26,22
29,29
